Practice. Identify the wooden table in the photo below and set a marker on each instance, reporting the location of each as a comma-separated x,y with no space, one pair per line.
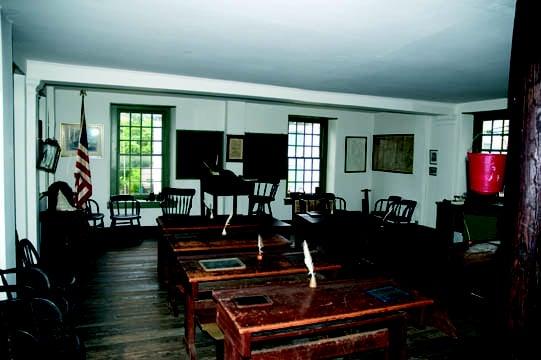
218,185
317,227
301,311
272,266
215,247
177,229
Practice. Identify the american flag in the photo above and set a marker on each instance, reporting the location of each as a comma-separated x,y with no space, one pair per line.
83,182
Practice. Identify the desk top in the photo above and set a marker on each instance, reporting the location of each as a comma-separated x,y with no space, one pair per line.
271,265
220,244
301,306
183,223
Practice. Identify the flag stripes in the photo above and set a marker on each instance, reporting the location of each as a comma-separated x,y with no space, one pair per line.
83,182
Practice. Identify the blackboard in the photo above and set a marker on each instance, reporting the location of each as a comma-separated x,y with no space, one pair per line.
265,155
196,147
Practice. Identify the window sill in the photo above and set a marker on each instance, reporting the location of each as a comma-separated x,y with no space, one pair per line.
146,204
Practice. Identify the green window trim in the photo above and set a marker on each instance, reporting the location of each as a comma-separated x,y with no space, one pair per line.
116,110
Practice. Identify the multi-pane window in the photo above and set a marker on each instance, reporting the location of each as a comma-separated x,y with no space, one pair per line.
495,136
305,154
141,149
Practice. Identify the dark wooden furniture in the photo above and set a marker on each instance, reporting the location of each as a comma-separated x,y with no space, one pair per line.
383,207
124,210
93,214
196,247
401,211
224,184
61,276
264,193
176,201
300,311
193,276
450,218
317,227
64,237
189,249
175,229
470,230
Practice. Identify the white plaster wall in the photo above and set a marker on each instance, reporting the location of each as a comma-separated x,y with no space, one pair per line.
349,185
233,117
314,103
409,186
19,108
443,138
239,116
7,156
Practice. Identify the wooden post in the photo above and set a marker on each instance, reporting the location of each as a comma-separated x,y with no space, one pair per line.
523,185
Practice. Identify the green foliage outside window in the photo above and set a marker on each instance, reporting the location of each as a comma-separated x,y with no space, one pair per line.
138,168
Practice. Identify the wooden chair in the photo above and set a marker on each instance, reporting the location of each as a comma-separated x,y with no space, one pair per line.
382,207
34,327
340,203
124,210
401,212
28,257
176,201
320,202
264,193
93,214
32,283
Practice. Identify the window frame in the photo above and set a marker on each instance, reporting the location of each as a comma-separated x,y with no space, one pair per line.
116,109
479,119
324,129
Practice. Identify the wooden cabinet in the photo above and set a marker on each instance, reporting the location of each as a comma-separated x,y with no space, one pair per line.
450,215
63,238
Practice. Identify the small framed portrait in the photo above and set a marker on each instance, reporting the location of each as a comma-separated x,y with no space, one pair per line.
433,157
235,148
69,138
49,152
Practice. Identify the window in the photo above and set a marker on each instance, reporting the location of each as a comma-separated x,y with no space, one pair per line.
139,164
306,154
491,132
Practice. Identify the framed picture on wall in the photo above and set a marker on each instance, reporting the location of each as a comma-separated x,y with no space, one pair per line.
393,153
235,147
355,155
69,139
433,157
49,152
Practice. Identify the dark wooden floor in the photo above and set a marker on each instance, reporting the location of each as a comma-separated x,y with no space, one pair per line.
124,314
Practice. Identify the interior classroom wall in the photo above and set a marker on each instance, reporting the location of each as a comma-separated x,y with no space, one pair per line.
199,113
7,161
237,118
409,186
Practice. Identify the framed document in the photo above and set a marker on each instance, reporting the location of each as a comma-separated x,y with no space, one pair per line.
355,156
393,153
235,148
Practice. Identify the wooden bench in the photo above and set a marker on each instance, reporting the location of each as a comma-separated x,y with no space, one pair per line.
329,347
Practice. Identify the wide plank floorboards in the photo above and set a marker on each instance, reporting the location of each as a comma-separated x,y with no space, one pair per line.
124,314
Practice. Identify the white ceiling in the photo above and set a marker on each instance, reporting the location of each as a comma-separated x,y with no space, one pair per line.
442,50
